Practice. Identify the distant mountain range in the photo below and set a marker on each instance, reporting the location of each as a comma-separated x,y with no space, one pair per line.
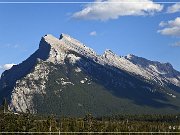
64,77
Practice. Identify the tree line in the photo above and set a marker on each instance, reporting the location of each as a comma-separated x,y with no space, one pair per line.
26,122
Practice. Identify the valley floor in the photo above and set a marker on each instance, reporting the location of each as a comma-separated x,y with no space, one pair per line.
15,122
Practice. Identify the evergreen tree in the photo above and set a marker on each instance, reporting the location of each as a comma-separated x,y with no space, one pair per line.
5,105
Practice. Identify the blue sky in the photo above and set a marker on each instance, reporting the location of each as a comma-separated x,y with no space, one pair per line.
150,33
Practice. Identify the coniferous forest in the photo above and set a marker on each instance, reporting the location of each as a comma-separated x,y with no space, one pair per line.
25,122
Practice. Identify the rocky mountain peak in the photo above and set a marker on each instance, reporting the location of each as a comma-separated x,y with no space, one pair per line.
154,69
168,65
144,63
50,38
64,73
63,35
109,54
71,41
57,49
130,56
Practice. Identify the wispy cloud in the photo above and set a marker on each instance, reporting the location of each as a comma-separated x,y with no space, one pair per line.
174,8
13,46
171,28
6,66
176,44
113,9
93,33
9,45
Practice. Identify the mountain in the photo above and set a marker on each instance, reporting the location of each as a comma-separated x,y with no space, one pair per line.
64,77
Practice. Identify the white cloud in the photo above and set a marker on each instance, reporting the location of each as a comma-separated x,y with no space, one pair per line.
171,28
176,44
174,8
162,24
93,33
113,9
6,66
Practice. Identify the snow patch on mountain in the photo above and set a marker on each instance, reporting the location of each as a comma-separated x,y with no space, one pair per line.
66,83
172,95
78,70
73,58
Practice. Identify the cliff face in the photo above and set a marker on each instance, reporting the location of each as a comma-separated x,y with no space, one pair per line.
65,77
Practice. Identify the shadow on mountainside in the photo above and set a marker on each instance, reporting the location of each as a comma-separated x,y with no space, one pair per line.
125,85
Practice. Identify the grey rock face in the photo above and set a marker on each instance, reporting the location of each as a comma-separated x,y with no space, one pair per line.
25,89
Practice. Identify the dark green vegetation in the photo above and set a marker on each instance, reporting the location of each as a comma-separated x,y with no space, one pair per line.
10,122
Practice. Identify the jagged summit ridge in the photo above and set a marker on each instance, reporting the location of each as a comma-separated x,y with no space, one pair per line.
159,72
60,47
